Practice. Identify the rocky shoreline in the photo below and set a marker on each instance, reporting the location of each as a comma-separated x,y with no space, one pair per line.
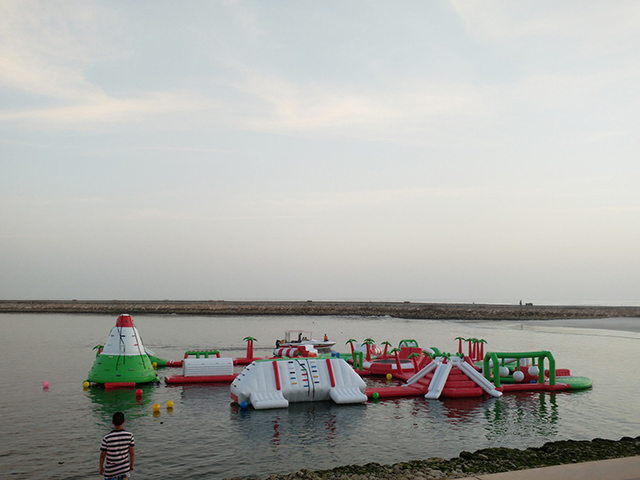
410,310
480,462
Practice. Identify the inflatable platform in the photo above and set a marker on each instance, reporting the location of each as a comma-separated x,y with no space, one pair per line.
204,366
277,382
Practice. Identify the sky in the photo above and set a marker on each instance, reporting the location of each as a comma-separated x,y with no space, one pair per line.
446,151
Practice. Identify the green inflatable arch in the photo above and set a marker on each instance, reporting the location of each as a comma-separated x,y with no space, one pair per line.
540,356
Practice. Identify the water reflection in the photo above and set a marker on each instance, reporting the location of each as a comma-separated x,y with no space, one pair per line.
300,423
306,434
460,410
523,415
202,396
107,401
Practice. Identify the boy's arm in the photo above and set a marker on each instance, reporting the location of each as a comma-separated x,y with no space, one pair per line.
132,457
103,454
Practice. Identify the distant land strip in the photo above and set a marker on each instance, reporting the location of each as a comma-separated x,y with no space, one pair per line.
426,311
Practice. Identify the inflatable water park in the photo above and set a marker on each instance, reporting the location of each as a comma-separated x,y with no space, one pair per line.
302,369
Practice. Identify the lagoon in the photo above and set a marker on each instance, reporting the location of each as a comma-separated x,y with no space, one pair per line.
55,433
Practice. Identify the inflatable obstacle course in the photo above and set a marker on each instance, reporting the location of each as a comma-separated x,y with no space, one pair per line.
122,360
436,374
525,371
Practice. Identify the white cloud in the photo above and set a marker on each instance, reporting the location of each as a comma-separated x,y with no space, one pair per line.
101,109
555,90
599,27
347,200
46,49
406,112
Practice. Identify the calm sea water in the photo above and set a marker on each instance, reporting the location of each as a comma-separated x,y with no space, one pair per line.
55,433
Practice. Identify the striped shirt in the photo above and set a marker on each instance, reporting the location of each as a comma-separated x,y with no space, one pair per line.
117,443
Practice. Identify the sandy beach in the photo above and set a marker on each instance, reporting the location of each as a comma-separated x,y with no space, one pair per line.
430,311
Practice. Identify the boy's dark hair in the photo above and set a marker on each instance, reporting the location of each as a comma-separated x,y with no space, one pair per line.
118,419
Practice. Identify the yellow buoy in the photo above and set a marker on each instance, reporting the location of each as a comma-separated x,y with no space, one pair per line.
86,384
169,404
389,376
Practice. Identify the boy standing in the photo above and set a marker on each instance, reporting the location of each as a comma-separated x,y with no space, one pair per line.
117,450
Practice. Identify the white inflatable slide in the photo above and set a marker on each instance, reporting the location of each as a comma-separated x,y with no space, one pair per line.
440,377
276,383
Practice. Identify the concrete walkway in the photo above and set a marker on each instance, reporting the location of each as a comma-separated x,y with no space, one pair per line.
627,468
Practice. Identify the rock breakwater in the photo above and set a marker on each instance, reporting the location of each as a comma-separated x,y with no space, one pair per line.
430,311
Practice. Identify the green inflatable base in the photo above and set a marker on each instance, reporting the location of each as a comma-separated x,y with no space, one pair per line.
122,369
159,361
576,383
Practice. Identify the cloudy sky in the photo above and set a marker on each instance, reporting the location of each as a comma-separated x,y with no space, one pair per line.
342,150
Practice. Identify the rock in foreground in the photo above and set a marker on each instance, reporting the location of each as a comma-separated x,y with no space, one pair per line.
481,462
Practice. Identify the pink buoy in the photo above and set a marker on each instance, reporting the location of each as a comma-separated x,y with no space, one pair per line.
139,392
45,384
